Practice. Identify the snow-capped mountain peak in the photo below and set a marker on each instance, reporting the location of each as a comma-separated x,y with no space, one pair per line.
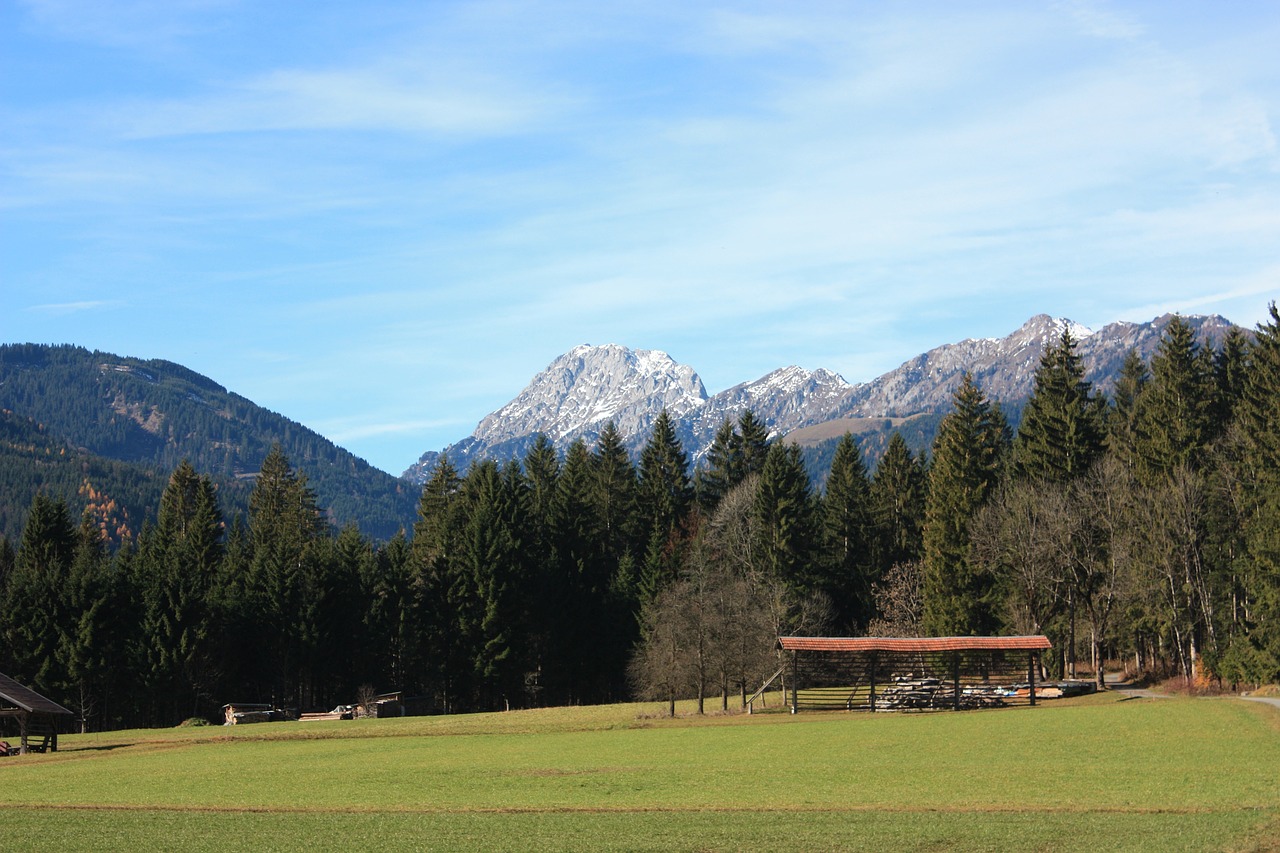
582,390
590,386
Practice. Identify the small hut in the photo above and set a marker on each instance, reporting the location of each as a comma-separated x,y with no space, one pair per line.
37,715
910,673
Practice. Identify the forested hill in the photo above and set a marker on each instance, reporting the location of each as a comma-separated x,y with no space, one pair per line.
97,408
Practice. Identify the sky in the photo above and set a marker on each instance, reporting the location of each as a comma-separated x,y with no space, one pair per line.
382,219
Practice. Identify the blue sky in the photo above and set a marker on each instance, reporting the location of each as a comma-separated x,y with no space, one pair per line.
382,219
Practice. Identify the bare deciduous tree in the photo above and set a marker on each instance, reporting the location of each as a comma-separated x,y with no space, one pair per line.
899,598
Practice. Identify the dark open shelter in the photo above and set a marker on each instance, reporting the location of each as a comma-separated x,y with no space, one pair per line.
37,716
907,673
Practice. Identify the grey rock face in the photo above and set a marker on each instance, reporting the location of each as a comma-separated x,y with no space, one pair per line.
587,387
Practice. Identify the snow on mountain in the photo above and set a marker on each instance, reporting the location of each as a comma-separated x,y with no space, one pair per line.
1003,367
575,397
786,399
587,387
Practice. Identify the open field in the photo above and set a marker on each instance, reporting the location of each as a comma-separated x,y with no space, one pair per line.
1097,773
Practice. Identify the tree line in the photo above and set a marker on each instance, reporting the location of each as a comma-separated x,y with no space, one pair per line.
123,423
1144,527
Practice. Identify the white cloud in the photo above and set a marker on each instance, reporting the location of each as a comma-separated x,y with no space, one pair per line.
62,308
351,99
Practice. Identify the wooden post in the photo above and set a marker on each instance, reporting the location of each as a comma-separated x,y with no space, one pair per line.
795,687
1031,677
955,676
872,678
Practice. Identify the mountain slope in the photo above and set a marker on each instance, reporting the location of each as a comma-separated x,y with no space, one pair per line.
575,397
156,413
580,391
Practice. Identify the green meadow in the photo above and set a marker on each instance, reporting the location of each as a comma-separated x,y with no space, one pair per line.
1097,773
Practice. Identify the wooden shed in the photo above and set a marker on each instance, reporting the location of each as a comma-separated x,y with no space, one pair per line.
910,673
37,715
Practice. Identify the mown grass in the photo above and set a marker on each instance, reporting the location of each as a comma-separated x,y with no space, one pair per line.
1097,774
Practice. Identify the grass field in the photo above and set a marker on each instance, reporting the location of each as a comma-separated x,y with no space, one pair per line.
1097,773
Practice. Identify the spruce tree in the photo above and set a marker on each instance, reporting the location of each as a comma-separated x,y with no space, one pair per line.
787,520
578,584
614,495
491,550
1174,414
440,590
284,526
36,606
1124,430
1258,414
753,446
1230,373
1062,429
967,459
897,505
721,471
848,536
538,490
92,644
180,560
664,497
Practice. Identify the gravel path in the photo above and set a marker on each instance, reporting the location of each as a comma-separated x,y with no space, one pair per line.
1114,682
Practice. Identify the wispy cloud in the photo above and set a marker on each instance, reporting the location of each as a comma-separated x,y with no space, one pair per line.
429,202
63,308
363,99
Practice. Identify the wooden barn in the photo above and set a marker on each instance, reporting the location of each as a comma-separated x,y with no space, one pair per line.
37,716
909,673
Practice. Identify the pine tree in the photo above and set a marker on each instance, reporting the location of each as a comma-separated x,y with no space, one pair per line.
1230,373
848,535
787,518
179,563
1124,430
967,459
753,446
491,550
538,488
440,591
664,497
897,505
36,607
614,495
721,471
91,645
1062,429
578,583
284,526
1258,414
1174,414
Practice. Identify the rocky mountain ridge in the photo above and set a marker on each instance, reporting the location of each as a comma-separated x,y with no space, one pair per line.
586,388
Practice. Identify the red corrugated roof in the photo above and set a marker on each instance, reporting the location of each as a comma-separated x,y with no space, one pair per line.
914,644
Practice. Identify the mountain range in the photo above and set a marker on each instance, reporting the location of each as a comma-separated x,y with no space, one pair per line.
590,386
105,431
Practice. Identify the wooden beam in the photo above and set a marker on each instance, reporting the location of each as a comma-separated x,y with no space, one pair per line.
795,687
955,677
872,676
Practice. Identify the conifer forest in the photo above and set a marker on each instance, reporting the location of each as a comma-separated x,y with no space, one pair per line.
1142,530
